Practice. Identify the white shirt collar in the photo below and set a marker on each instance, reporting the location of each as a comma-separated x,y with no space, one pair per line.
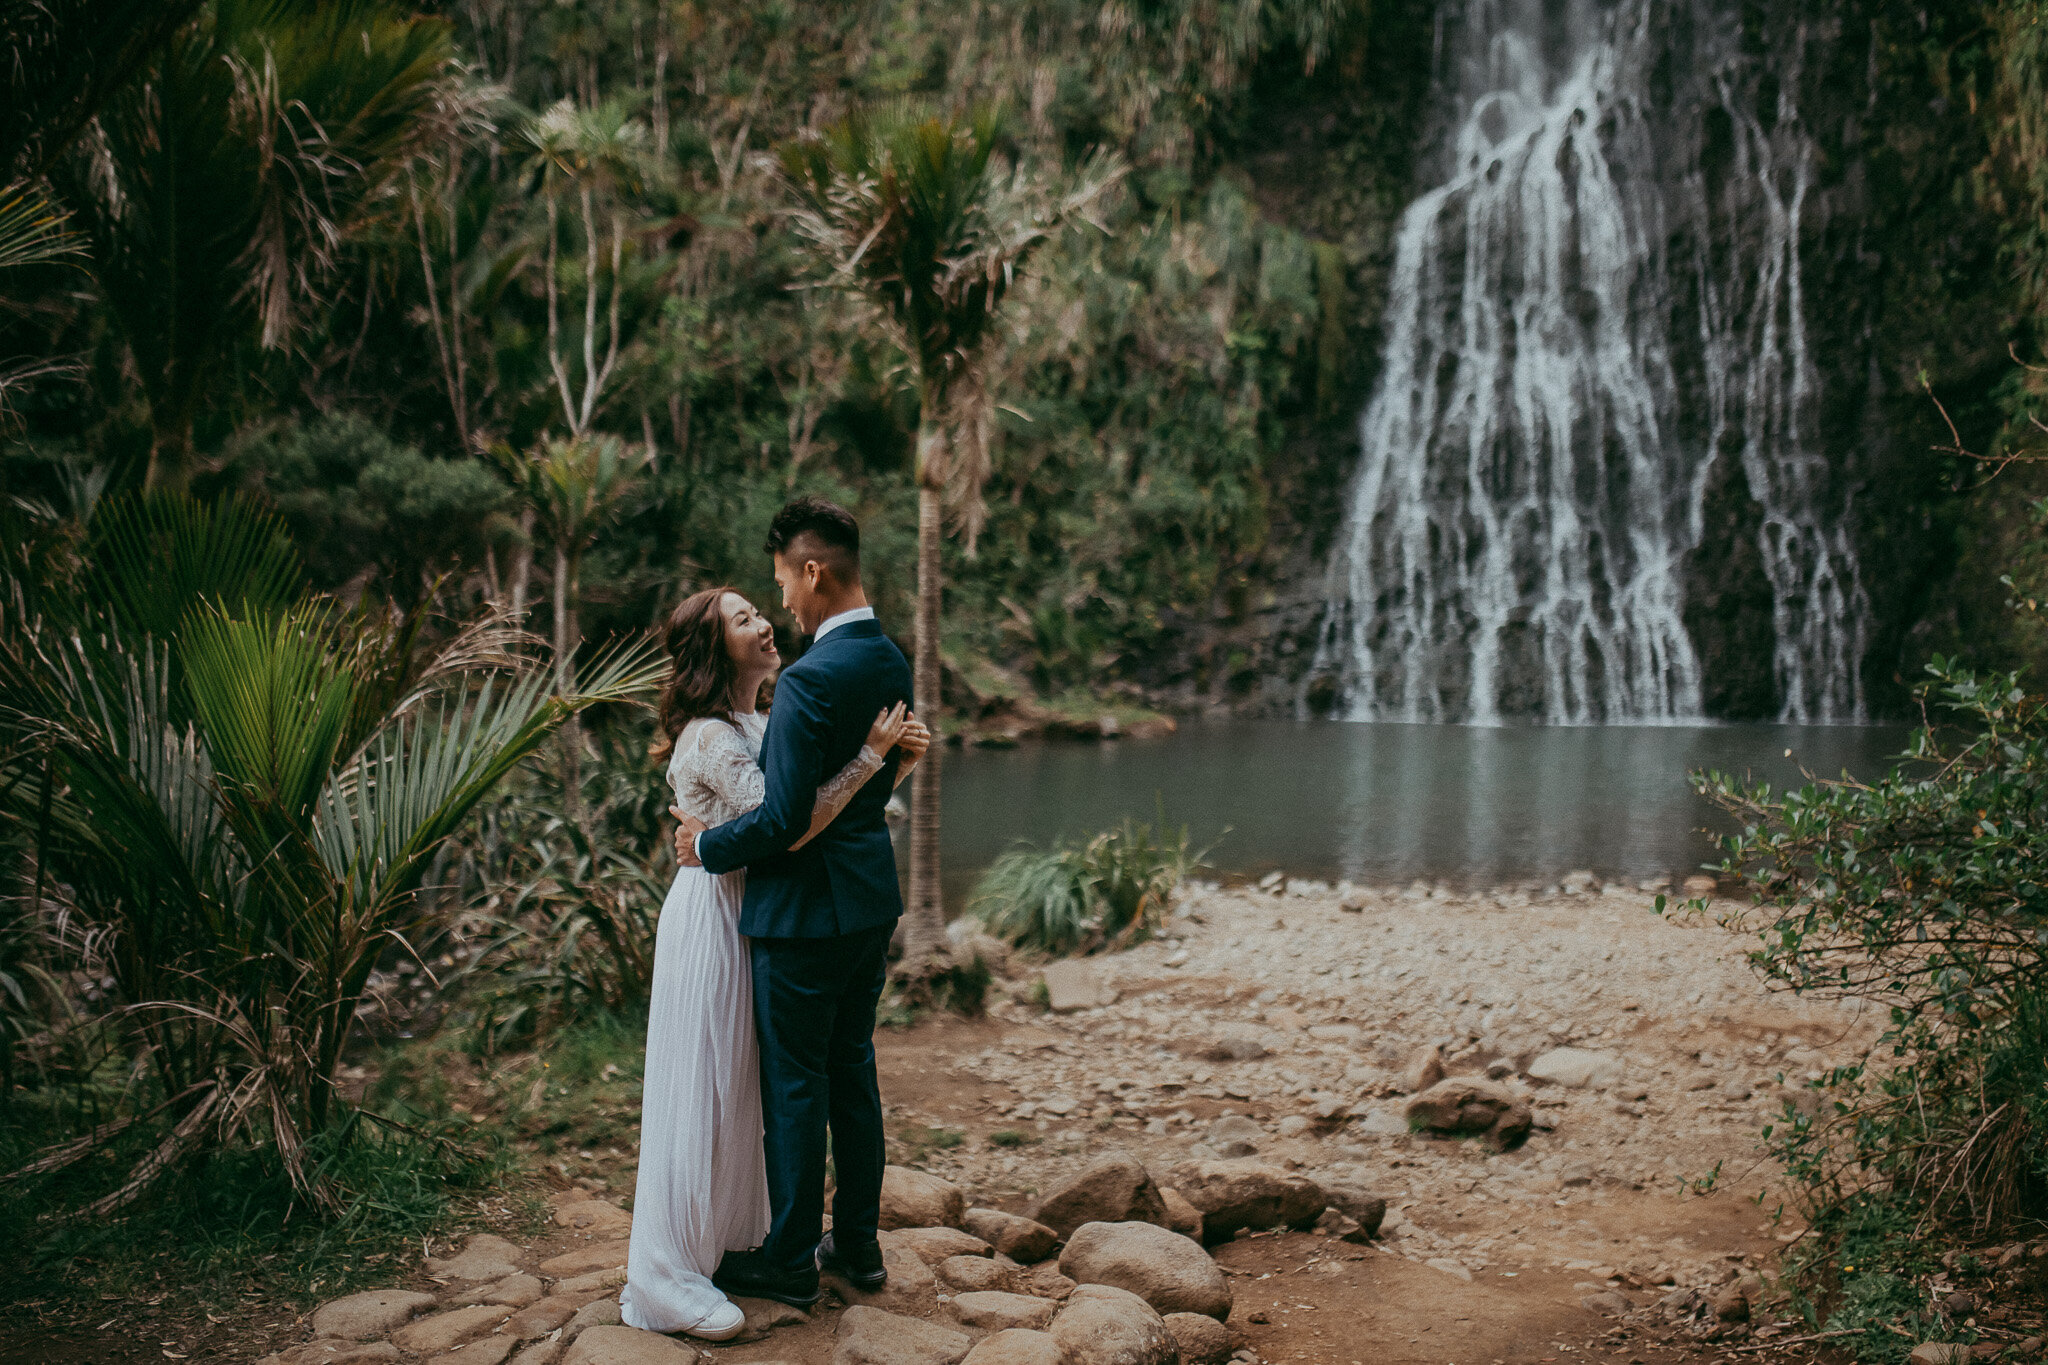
832,623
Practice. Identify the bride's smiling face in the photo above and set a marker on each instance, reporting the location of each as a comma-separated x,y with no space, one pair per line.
749,636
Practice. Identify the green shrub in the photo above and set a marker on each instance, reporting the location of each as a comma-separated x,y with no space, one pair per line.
1110,892
1922,892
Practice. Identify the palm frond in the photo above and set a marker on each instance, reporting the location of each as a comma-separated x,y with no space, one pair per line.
155,557
32,230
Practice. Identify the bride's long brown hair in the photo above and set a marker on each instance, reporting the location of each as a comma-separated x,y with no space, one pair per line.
701,674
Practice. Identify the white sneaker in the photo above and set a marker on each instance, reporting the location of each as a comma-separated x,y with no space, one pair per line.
723,1323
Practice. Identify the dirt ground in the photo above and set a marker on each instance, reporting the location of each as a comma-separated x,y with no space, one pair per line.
1300,1010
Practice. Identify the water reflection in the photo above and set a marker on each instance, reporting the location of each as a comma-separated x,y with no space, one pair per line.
1387,803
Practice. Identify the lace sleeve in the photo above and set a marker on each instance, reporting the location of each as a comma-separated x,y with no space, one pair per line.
726,770
839,789
731,775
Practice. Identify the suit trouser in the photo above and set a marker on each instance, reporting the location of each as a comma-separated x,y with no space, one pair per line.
814,1009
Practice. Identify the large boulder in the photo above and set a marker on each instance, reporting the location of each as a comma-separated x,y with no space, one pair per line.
1202,1339
1235,1195
1113,1188
1367,1210
990,1311
1024,1240
445,1331
1103,1325
869,1336
1466,1105
374,1313
1166,1270
913,1199
1016,1346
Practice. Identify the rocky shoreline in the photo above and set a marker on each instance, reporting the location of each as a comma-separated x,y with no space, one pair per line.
1130,1160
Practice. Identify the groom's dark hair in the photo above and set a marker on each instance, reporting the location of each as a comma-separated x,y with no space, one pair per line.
817,528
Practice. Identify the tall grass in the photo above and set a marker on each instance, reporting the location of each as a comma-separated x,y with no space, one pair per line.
1109,892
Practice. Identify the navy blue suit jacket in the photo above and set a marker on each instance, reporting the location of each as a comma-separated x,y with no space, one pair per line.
844,880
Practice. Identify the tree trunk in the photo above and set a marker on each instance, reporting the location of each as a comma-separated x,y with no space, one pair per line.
170,457
925,921
522,566
567,637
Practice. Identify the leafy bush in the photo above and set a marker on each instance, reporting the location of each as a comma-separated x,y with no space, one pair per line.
1923,891
1109,892
238,789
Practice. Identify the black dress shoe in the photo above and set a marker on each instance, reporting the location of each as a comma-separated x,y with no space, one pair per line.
744,1274
860,1266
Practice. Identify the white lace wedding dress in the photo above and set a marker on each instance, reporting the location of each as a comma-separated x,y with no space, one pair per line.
703,1186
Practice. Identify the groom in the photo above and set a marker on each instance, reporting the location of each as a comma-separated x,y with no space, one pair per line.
818,919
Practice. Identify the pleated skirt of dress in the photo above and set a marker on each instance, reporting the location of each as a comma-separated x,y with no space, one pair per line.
702,1189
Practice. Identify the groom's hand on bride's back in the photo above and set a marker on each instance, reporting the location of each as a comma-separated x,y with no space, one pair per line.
688,827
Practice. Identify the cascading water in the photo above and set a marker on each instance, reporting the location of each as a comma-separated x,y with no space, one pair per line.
1576,329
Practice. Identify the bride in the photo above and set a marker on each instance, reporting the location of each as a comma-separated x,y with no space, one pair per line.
702,1187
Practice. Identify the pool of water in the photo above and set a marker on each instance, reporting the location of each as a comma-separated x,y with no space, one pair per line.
1387,804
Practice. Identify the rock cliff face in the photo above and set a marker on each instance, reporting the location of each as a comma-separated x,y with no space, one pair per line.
1642,433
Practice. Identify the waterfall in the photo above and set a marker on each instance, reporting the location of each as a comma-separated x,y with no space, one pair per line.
1533,469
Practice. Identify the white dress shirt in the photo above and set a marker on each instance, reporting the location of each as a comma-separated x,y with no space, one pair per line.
832,623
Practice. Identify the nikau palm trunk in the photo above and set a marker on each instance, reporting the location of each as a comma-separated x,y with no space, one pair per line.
925,931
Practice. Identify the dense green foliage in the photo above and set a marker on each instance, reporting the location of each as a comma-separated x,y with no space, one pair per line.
221,797
1922,894
1109,892
591,243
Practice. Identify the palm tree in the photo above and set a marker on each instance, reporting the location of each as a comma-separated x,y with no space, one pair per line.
241,788
217,189
923,223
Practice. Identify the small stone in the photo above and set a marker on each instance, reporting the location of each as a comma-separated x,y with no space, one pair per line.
1576,1068
601,1313
1168,1271
933,1245
514,1291
444,1331
869,1336
910,1288
1235,1045
1609,1303
1181,1216
333,1352
1457,1270
1074,984
1424,1068
1939,1353
1113,1188
539,1320
1292,1126
489,1351
1368,1210
1235,1195
583,1260
1202,1339
1465,1104
969,1274
374,1313
1235,1130
765,1315
992,1311
620,1345
1046,1282
1700,884
1016,1346
595,1282
914,1199
1024,1240
1729,1304
1736,1090
594,1215
484,1257
544,1352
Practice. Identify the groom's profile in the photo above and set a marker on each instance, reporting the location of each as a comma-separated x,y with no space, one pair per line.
818,919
